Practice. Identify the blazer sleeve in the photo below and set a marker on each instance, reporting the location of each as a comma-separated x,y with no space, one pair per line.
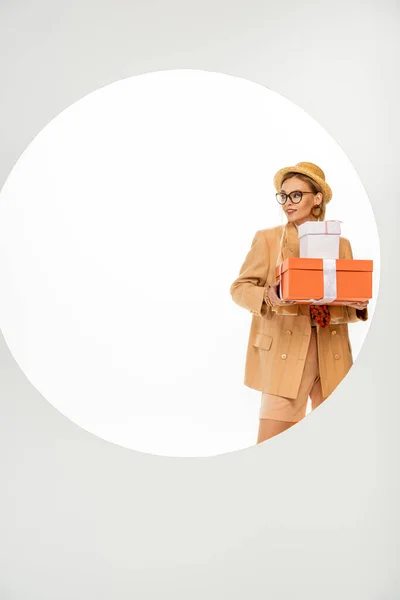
248,288
354,314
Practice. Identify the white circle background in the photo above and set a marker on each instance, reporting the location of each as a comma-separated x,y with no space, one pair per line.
122,226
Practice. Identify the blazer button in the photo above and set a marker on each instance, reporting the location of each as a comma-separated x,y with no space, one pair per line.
337,356
288,331
283,356
334,332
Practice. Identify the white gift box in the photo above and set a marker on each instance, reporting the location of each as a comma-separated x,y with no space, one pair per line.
319,239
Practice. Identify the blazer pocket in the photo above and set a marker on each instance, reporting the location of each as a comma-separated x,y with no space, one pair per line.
263,341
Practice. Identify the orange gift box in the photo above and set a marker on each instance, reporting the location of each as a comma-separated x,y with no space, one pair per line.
302,280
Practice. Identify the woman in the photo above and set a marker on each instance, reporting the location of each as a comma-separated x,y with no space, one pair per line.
294,351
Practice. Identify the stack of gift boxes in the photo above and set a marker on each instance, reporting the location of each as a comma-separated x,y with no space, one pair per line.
319,276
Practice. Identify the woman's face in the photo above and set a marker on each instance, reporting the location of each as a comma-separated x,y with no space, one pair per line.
301,212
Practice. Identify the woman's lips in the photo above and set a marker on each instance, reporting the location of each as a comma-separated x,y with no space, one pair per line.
291,211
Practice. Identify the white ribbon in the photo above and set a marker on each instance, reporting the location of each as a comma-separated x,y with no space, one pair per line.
330,289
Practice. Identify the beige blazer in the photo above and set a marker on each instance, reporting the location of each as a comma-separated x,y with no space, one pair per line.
279,337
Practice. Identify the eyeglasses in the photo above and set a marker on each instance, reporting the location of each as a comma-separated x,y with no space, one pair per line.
295,196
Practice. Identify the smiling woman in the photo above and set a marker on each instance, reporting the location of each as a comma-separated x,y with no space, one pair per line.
302,198
294,351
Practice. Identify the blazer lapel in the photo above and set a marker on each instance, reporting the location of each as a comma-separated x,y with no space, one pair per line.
290,242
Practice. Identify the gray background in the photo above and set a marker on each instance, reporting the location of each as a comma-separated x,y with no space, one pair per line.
312,513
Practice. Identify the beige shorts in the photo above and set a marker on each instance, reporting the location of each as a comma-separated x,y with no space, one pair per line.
287,409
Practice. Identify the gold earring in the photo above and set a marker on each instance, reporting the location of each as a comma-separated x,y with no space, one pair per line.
317,208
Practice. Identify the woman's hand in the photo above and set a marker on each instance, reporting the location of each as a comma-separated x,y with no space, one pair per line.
359,305
274,298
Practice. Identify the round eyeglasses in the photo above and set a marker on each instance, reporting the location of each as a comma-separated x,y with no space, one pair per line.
295,196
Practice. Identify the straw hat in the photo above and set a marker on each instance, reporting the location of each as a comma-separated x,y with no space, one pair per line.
306,168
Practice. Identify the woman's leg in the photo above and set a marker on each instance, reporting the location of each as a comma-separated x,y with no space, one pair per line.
270,427
274,409
316,394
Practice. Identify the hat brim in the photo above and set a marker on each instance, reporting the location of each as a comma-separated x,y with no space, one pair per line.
282,172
